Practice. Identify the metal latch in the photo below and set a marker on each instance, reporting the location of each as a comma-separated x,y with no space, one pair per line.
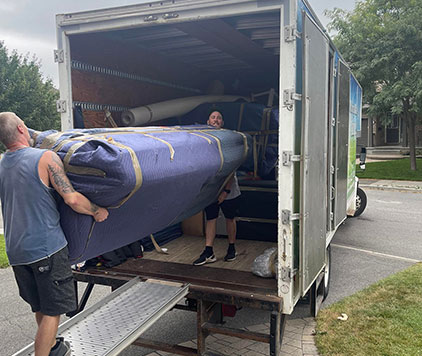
291,33
289,97
287,216
286,274
61,106
58,56
332,169
333,121
150,18
288,157
170,16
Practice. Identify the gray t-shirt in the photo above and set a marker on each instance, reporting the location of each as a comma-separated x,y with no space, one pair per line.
234,189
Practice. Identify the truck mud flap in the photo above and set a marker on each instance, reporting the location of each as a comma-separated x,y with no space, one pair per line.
116,321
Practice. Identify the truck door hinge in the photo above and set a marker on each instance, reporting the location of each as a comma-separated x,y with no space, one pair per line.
289,98
286,274
332,169
331,216
287,217
333,121
288,157
58,56
291,33
61,106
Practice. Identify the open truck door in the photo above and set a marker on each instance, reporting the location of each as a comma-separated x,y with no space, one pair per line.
314,180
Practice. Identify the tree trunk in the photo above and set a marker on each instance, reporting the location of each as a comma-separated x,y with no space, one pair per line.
411,126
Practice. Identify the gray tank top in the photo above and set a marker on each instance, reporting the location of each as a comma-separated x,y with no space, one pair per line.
31,219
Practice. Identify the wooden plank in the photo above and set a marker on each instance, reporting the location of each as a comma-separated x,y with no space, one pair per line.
242,334
202,275
249,299
186,249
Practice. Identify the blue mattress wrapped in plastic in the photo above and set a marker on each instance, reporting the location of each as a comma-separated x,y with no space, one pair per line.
149,178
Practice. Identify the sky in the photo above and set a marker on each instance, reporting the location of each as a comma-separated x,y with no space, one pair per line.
29,26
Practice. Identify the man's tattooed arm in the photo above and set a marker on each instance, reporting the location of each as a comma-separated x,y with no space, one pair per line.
77,201
58,175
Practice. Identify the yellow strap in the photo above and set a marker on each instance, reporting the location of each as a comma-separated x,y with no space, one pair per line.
255,158
205,138
138,173
220,151
156,246
239,124
87,171
50,140
70,152
88,239
165,142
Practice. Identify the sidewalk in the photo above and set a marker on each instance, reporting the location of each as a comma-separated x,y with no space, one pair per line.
415,186
298,340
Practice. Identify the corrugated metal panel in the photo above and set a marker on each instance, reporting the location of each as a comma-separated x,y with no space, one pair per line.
261,30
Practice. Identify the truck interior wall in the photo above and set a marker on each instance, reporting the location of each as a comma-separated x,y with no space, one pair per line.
98,88
235,60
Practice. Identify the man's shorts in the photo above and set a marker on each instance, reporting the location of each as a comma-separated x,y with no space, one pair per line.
229,208
47,285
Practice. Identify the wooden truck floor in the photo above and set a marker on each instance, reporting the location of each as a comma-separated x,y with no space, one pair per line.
177,266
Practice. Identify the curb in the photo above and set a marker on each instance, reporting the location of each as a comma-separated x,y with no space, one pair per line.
382,187
386,184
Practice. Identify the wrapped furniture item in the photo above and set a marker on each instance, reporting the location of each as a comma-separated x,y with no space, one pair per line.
149,178
265,265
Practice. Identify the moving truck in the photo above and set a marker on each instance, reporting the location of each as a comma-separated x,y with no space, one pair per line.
273,52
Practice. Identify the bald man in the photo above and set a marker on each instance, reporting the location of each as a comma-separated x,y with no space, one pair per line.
228,202
35,243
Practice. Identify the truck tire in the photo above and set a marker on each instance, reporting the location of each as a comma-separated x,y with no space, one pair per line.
360,202
327,271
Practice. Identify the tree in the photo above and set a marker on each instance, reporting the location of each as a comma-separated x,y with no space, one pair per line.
24,92
382,42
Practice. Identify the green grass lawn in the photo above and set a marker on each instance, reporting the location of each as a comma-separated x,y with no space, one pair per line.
398,169
384,319
4,262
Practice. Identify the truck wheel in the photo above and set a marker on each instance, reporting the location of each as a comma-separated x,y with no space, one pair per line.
327,271
360,202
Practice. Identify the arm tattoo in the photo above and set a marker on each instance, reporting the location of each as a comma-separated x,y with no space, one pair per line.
94,208
57,160
60,179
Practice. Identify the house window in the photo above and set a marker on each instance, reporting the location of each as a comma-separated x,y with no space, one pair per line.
394,123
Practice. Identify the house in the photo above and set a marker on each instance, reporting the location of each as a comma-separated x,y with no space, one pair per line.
382,139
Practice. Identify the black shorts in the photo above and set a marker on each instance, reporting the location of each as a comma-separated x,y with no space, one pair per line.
47,285
229,208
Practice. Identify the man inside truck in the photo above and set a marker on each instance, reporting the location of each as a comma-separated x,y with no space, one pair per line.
35,243
228,201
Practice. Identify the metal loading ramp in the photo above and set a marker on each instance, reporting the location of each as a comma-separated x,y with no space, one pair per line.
115,322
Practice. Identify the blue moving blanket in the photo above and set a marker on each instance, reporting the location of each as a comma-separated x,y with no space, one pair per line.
148,177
